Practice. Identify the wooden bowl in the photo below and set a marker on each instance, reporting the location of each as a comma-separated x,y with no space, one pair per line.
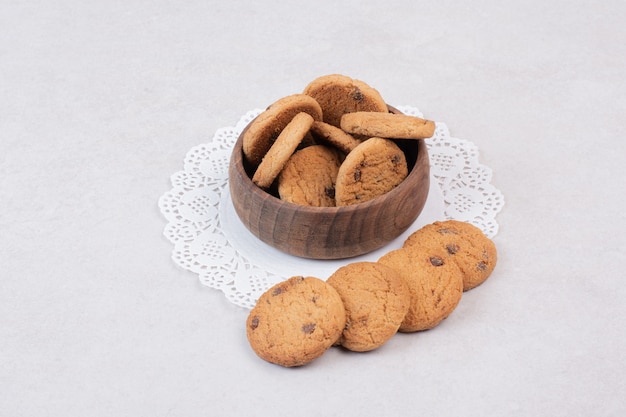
330,232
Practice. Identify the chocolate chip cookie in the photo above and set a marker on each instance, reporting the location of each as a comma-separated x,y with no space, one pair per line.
435,283
464,243
338,94
296,321
373,168
387,125
309,176
282,149
376,299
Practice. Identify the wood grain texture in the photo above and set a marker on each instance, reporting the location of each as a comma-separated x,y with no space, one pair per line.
330,232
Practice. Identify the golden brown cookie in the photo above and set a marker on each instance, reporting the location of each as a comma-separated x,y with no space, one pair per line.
435,283
338,94
308,140
376,299
335,136
263,130
309,176
282,149
464,243
372,169
295,321
387,125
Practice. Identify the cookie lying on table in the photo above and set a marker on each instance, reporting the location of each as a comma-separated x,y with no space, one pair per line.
363,304
296,321
465,244
435,284
376,299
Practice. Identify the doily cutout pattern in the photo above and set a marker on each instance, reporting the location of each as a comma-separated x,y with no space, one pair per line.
191,207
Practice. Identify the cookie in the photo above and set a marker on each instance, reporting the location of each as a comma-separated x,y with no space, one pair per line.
464,243
335,136
372,169
265,128
376,299
387,125
308,140
295,321
435,283
282,149
309,176
338,94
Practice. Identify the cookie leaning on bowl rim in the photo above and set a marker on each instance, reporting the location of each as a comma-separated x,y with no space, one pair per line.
338,94
387,125
435,283
282,149
376,299
465,244
261,133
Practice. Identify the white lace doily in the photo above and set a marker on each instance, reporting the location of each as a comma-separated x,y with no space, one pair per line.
210,241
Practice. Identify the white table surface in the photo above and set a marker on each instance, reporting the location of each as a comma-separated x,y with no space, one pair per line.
100,102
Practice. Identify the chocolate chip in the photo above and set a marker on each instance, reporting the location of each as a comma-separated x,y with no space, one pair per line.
452,248
436,261
254,323
277,290
481,266
357,175
330,192
357,95
396,159
308,328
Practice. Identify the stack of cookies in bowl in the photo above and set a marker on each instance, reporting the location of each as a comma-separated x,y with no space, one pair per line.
332,145
332,172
